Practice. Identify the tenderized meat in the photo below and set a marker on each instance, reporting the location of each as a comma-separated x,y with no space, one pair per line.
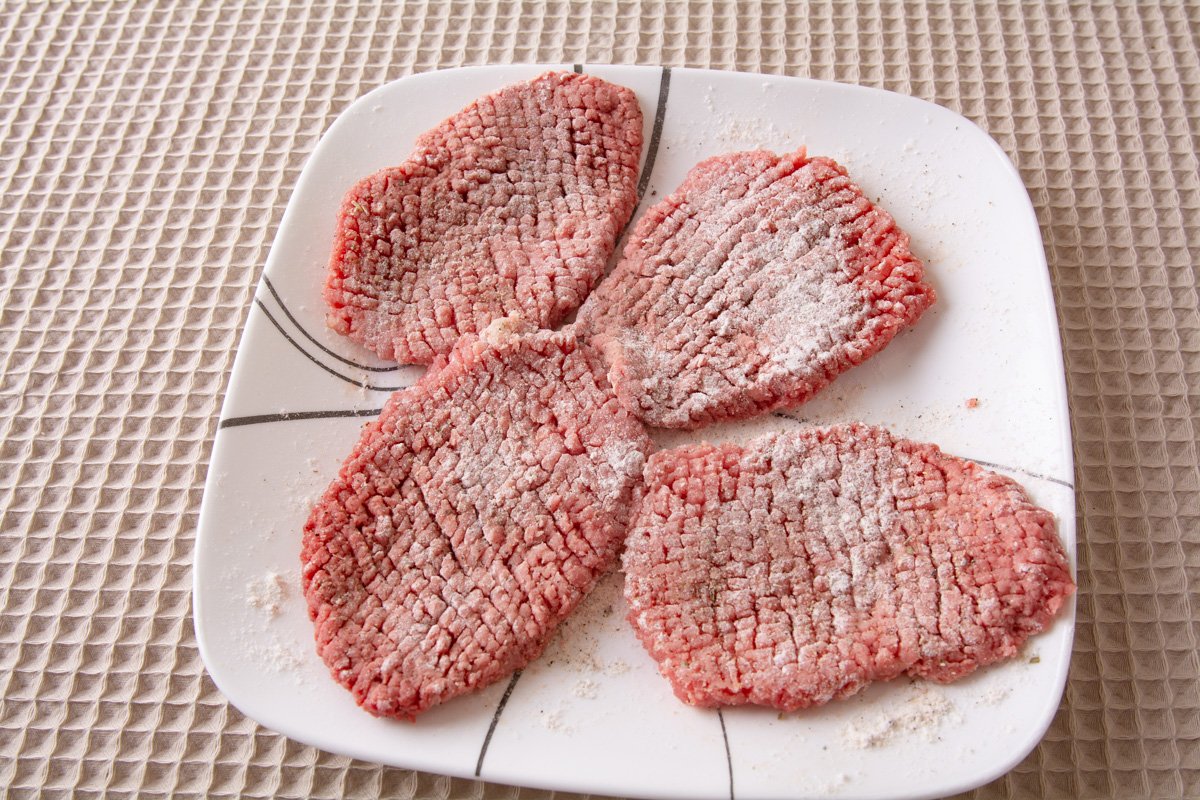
802,567
511,206
470,519
754,285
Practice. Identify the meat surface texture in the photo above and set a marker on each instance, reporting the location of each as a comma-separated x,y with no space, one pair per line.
511,206
470,519
802,567
754,285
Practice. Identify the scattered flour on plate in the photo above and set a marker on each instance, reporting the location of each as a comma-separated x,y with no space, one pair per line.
922,714
556,720
830,786
586,689
575,645
993,696
734,129
277,657
267,593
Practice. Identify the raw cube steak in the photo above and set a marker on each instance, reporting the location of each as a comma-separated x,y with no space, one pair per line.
511,206
755,284
470,519
800,568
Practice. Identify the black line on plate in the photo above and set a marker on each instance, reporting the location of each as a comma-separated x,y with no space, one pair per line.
309,336
288,416
979,461
728,757
313,358
487,739
1044,477
660,114
578,69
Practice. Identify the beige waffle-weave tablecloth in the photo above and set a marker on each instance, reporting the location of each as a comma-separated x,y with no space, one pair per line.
147,152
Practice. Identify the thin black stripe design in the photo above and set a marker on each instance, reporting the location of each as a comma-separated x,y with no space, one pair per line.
287,416
728,757
309,336
578,69
313,359
660,114
980,462
496,718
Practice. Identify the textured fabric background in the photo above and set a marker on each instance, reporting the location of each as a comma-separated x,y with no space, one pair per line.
146,156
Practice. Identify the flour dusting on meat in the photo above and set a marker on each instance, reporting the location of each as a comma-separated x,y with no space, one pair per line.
803,566
511,206
751,287
470,519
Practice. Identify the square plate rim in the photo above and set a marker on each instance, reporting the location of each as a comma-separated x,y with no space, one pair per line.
226,683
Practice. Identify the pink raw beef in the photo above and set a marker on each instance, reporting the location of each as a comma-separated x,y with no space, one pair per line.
511,206
804,566
760,280
470,519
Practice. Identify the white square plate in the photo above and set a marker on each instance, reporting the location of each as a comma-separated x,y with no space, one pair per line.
592,715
